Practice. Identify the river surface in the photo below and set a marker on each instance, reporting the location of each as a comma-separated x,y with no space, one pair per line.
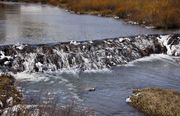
113,86
33,24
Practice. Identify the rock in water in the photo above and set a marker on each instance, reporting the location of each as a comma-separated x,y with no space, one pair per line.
91,89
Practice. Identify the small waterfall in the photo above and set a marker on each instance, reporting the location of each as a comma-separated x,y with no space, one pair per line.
85,55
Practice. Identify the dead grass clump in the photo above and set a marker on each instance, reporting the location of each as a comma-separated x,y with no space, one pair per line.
156,102
9,95
159,13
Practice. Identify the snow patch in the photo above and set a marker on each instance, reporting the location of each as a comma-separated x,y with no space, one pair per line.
74,43
128,100
132,22
116,17
150,27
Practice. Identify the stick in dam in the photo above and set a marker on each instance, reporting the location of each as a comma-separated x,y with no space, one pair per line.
86,55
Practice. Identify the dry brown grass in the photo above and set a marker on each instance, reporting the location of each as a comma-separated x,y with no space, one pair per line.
159,13
156,102
7,90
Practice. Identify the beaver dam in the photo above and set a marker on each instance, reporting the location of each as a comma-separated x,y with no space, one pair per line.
86,55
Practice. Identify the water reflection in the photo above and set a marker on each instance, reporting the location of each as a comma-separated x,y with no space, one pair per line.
2,23
32,31
30,27
30,9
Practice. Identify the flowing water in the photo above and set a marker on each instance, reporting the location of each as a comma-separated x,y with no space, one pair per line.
34,24
113,86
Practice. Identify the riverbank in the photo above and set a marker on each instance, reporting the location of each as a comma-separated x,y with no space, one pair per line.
156,102
164,14
9,95
159,14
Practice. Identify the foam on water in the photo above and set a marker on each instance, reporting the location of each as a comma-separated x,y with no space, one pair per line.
50,83
25,76
154,57
43,76
105,70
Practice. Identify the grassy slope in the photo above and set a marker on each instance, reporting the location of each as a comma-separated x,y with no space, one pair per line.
157,102
159,13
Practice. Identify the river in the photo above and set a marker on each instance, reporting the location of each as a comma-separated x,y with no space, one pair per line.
37,24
